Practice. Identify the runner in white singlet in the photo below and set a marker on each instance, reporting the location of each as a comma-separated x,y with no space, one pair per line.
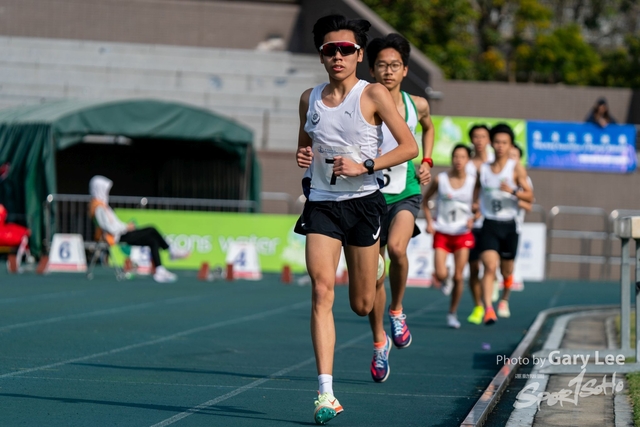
500,186
340,132
482,153
452,226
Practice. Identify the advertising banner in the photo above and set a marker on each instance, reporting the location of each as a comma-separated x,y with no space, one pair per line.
453,130
581,147
210,235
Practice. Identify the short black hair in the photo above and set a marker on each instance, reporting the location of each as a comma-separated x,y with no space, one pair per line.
461,145
330,23
517,147
393,41
475,128
502,128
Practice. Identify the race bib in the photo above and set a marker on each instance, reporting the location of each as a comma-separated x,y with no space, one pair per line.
323,177
453,214
395,179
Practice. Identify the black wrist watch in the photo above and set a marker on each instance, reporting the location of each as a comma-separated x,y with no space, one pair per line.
515,191
369,164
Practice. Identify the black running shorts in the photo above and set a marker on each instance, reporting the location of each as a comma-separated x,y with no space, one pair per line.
499,236
474,253
411,204
355,222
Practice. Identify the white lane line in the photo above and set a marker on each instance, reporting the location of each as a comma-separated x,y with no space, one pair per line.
99,312
280,373
216,325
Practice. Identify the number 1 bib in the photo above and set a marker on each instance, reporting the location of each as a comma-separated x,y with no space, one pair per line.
323,177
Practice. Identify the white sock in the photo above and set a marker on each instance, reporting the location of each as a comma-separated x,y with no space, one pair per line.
325,382
160,269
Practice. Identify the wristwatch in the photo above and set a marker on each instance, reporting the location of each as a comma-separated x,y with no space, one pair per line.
369,164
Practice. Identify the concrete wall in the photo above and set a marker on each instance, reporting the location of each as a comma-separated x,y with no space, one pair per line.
229,24
528,101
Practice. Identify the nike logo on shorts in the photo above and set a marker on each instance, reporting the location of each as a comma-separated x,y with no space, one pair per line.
375,236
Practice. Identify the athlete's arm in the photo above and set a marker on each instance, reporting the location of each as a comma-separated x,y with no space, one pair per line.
376,104
425,204
304,155
475,204
525,193
428,135
525,205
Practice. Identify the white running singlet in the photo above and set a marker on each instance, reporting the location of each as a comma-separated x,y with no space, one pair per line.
340,131
454,205
473,170
496,204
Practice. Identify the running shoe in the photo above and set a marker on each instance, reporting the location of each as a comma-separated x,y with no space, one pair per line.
476,315
327,408
380,364
490,316
399,331
452,321
503,308
162,275
176,253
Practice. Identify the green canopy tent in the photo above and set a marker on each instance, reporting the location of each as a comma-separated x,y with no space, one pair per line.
30,137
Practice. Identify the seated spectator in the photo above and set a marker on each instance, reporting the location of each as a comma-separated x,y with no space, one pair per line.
600,114
116,231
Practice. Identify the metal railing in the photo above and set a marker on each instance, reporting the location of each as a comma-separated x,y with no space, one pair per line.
585,258
69,213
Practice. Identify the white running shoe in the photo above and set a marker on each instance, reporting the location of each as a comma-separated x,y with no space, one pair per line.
452,321
178,253
503,309
162,275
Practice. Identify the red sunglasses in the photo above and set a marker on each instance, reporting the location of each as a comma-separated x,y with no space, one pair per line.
345,48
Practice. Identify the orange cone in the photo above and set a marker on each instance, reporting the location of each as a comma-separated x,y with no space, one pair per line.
230,272
286,277
203,274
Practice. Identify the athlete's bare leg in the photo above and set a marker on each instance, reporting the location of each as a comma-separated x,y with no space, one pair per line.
440,264
323,255
506,269
362,264
400,232
376,317
490,260
460,259
475,284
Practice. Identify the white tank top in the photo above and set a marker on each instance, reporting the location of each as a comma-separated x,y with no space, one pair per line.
471,169
340,131
454,205
396,176
496,204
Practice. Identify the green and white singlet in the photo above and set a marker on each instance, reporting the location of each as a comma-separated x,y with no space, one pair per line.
400,181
